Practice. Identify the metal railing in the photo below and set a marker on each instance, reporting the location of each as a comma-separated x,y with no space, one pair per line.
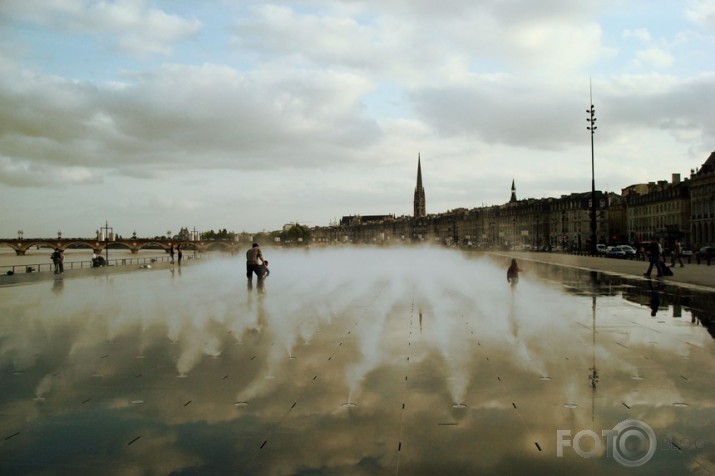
45,267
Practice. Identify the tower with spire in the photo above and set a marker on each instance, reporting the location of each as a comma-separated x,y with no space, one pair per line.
420,204
513,192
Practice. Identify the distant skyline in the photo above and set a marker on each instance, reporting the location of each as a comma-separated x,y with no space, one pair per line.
153,115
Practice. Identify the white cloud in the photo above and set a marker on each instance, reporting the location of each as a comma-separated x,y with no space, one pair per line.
640,34
701,12
300,109
654,57
130,25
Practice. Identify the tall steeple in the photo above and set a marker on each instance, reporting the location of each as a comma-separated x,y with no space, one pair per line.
420,204
513,192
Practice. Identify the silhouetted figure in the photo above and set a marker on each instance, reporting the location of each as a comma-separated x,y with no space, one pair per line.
512,274
55,257
171,254
654,251
254,259
179,253
677,254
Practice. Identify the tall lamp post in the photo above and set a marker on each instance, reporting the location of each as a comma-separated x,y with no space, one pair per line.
107,230
592,127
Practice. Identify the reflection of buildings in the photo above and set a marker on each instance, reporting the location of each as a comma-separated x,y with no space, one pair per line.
681,209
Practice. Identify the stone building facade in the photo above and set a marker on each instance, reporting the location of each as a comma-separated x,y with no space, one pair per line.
702,204
683,209
659,210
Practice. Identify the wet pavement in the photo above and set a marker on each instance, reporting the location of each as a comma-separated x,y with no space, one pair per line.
357,361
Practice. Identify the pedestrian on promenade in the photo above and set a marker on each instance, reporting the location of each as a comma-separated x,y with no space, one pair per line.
677,254
512,273
55,257
171,254
254,258
179,253
61,261
654,259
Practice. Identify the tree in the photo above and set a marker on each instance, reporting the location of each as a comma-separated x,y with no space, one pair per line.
295,233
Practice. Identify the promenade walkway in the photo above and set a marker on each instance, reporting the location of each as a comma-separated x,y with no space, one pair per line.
35,277
691,275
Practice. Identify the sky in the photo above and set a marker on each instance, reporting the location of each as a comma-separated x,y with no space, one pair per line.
247,115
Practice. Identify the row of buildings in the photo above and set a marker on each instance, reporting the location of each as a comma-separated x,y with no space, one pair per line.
667,210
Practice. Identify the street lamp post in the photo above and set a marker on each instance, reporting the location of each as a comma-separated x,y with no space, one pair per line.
20,233
592,127
107,230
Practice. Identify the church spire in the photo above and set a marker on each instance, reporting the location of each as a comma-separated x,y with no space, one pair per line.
420,200
513,192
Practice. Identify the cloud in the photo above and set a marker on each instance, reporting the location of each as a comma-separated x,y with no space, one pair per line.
26,174
207,116
654,57
640,34
130,26
702,12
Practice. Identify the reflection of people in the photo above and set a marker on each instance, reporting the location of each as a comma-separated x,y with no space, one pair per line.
58,286
512,274
654,297
254,258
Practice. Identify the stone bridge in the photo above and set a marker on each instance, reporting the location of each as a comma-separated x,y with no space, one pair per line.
134,244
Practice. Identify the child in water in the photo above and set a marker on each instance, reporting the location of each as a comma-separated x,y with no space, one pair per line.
263,270
512,274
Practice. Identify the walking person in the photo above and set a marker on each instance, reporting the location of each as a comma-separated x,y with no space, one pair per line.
55,257
677,254
60,261
179,253
254,259
512,274
654,259
171,254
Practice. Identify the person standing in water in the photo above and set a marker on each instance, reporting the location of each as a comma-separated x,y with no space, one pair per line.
512,274
254,259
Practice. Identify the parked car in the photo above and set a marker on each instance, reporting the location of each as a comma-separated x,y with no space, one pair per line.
628,250
601,249
615,252
686,253
706,253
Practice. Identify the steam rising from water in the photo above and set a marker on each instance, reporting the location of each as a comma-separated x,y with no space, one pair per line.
443,301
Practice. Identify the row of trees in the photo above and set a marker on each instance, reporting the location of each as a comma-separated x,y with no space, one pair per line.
295,234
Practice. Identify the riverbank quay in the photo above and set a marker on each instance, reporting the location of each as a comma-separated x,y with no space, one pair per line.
699,276
35,277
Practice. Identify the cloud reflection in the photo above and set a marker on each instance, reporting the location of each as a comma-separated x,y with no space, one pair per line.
420,340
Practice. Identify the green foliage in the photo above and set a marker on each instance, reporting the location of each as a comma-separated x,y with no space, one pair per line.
218,235
295,234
